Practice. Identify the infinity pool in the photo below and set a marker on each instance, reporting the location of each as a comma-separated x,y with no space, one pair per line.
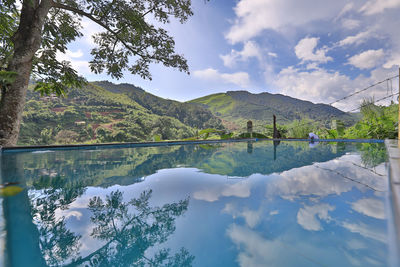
226,204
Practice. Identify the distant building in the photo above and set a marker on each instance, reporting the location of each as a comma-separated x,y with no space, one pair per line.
80,123
49,97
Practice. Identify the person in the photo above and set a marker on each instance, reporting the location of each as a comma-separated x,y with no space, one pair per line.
312,136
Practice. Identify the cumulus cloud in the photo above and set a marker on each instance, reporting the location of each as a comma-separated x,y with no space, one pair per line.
318,182
307,216
317,85
367,59
321,86
371,207
255,16
241,79
306,51
250,49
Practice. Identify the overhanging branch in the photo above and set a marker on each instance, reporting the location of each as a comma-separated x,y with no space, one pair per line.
99,22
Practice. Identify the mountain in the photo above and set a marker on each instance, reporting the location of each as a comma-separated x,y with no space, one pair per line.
191,115
235,108
95,114
106,112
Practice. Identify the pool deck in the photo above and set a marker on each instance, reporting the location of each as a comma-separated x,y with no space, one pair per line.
393,151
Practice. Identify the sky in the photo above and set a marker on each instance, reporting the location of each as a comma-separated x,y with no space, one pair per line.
315,50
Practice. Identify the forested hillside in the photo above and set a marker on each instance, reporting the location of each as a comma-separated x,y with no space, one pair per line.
105,112
93,115
192,115
236,107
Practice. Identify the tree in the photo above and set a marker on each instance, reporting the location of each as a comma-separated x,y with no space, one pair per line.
31,34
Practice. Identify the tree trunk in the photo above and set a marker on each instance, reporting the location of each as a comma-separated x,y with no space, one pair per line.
26,41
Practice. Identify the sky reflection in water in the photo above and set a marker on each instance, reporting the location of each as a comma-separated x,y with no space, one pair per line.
235,204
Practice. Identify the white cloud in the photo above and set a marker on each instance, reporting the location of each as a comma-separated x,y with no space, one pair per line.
241,79
240,189
356,39
367,59
307,216
348,7
254,250
255,16
394,61
251,217
321,86
250,49
306,51
319,182
378,6
81,66
317,85
68,213
271,54
76,54
89,28
371,207
366,231
351,24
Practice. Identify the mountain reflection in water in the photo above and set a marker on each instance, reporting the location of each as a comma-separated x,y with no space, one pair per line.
290,205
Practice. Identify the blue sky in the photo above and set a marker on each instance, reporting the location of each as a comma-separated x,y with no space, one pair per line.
316,50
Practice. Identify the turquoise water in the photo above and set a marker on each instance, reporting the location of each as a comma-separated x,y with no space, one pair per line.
228,204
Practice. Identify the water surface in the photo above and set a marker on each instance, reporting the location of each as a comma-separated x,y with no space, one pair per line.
228,204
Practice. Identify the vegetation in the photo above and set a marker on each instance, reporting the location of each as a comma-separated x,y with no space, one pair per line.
191,115
93,114
33,33
235,108
103,112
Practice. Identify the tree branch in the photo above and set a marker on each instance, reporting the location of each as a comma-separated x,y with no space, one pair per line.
99,22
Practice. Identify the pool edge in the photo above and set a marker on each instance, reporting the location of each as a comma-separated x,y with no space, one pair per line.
393,152
168,143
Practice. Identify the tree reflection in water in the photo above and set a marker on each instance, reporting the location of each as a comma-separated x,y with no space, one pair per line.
128,234
57,243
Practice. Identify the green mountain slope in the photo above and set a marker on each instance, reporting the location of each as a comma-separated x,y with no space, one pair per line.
236,107
93,115
191,115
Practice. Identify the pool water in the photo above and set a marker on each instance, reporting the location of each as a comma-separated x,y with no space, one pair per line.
228,204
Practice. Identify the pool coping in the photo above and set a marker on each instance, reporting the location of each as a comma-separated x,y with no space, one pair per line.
168,143
393,152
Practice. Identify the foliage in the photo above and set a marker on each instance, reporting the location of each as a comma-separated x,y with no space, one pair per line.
93,114
269,130
377,122
66,137
372,154
252,135
300,129
235,108
129,40
189,114
129,234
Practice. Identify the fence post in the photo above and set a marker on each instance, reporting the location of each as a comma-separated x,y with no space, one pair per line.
276,134
250,128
